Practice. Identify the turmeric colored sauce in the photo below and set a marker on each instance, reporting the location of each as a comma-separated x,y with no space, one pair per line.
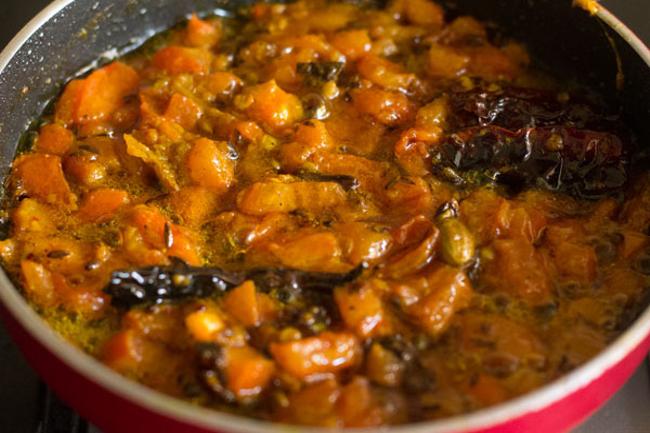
320,213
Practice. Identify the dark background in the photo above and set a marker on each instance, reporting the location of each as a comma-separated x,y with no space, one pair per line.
18,386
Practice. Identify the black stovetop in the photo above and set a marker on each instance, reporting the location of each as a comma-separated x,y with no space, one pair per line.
27,406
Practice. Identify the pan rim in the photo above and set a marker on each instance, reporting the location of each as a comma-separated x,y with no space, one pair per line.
171,407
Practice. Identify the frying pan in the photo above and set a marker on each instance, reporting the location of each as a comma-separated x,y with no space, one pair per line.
70,35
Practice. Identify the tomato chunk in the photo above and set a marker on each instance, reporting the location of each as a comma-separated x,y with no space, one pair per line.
204,324
55,139
268,197
162,235
41,176
450,291
313,405
101,204
445,62
247,371
201,33
33,216
178,60
241,303
384,73
98,96
420,12
38,283
209,166
273,107
520,270
183,111
363,311
324,248
389,108
352,43
222,84
328,352
123,351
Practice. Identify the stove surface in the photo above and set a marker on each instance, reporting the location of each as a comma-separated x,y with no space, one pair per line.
27,406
